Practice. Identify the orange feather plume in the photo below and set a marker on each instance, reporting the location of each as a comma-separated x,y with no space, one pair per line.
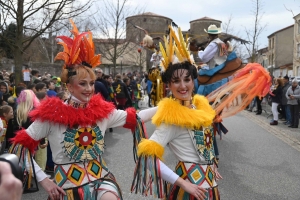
247,83
79,50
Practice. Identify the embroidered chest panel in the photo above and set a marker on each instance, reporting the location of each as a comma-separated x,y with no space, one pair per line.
204,142
84,143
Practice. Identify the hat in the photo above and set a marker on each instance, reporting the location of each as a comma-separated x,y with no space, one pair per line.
286,77
213,29
294,80
54,77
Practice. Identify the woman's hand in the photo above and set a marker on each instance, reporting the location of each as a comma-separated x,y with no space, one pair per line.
10,187
191,188
195,190
42,146
53,190
218,175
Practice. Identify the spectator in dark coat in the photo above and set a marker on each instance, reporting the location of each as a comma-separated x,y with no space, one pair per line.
100,88
285,107
121,92
276,95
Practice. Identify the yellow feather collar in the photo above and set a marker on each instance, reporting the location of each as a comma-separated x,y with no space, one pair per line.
173,113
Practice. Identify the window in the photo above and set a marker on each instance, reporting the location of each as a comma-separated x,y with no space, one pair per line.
298,24
145,19
298,50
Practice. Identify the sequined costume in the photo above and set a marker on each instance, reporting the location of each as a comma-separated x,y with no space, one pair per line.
76,133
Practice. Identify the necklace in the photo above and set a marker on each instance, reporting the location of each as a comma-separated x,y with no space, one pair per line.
76,104
186,103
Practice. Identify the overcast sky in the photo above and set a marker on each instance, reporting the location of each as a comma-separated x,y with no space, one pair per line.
275,15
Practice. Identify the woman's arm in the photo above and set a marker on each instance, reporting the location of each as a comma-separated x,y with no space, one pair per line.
147,114
128,117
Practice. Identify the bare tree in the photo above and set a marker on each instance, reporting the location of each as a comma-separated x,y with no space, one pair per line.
112,27
33,18
253,32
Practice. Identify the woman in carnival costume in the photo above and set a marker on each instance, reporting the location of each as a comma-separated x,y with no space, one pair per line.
75,129
184,122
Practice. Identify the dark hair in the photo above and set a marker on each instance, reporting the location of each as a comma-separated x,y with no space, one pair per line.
36,81
4,110
168,75
39,86
61,95
34,72
31,86
125,79
19,90
56,89
40,95
106,76
47,82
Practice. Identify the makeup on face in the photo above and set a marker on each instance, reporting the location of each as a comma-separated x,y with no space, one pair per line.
182,85
82,89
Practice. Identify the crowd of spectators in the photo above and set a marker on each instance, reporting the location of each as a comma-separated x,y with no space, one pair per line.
124,90
284,99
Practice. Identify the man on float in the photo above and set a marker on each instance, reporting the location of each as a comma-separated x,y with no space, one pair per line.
215,53
156,58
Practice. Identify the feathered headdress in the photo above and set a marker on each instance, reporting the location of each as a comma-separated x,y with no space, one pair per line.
79,50
176,49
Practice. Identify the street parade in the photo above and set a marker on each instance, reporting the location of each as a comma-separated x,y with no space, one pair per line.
141,106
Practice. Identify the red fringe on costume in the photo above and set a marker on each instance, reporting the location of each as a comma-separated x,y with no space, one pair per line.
247,83
23,138
54,110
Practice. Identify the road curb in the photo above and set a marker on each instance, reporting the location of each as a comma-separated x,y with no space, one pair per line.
277,131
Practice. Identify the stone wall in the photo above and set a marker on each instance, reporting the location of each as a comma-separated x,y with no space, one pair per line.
197,26
54,69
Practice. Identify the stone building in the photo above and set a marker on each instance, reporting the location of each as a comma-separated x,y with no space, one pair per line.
155,25
280,52
296,47
197,27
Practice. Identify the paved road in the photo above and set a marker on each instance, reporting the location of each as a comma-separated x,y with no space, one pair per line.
255,162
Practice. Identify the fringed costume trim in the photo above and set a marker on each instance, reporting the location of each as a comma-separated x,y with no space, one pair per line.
147,179
26,164
138,134
173,113
54,110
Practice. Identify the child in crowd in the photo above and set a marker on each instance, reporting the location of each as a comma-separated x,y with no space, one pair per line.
41,154
6,113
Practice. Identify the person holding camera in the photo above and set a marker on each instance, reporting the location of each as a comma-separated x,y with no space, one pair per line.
10,187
